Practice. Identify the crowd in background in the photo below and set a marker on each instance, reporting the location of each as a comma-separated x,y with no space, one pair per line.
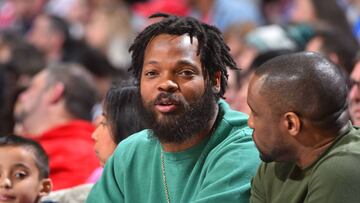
41,39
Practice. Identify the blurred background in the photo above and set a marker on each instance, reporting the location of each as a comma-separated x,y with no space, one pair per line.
97,34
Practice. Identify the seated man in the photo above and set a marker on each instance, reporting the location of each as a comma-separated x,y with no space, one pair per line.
196,148
311,152
24,170
55,111
354,94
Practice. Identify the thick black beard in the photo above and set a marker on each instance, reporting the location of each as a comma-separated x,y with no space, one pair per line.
182,125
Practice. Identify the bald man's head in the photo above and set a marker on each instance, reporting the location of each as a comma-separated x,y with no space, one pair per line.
305,83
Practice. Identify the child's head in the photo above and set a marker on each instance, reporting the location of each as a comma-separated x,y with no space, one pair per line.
24,170
119,120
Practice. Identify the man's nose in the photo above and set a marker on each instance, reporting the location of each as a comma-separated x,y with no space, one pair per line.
168,84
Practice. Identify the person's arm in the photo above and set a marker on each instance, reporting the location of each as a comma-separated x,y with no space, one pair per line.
336,180
229,173
107,188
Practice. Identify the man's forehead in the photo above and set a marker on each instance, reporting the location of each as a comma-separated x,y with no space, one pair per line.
176,47
183,40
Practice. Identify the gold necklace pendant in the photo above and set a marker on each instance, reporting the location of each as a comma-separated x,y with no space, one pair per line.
164,175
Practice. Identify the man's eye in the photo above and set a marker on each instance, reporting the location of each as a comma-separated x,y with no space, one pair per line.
186,73
151,73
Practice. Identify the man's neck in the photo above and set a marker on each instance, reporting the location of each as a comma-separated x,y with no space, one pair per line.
36,129
177,147
309,154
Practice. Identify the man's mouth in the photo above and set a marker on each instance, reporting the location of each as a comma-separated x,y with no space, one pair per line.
166,105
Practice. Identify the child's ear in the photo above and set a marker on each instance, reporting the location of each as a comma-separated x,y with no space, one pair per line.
46,186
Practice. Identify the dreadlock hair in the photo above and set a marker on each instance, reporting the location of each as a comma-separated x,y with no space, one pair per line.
214,53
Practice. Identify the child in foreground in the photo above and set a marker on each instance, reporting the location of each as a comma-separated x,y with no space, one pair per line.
24,170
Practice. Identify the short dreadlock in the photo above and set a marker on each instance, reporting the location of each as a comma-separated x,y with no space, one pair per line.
214,53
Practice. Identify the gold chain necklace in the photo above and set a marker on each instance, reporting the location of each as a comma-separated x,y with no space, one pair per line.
164,176
163,162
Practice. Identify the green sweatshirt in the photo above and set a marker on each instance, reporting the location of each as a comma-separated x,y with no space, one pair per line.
218,169
333,178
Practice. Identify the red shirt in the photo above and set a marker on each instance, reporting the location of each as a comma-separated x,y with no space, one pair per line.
71,153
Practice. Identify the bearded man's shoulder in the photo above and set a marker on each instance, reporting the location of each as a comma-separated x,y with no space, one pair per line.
137,143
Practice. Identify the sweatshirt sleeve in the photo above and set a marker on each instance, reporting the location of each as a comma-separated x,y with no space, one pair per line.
107,188
230,169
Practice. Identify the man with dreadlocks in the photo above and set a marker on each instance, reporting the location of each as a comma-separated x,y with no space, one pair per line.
196,148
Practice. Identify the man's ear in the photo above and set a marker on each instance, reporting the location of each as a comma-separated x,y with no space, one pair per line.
57,92
292,123
46,186
217,82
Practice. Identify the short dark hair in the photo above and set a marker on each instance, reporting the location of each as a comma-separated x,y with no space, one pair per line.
305,83
121,108
80,93
41,158
214,53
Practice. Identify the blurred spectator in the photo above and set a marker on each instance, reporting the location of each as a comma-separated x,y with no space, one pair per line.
236,94
276,11
275,37
55,111
322,14
143,10
146,9
19,61
104,74
270,38
232,88
59,8
354,94
352,8
250,45
78,16
224,13
50,34
18,15
110,31
336,46
234,37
